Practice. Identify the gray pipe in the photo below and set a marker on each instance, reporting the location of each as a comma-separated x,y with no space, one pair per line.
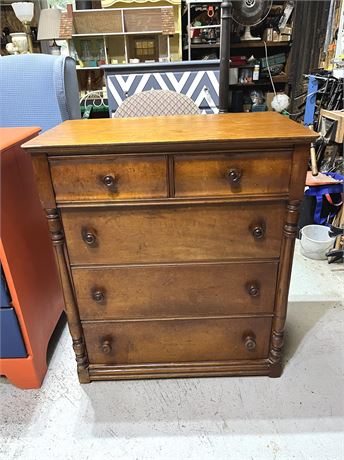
226,12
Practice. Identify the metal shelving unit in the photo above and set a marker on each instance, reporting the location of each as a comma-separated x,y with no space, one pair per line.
190,45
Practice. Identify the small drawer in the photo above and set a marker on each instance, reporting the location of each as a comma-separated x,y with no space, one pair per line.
11,339
155,291
107,178
177,341
232,174
187,233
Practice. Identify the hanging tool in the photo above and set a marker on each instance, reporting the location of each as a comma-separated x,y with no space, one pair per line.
314,166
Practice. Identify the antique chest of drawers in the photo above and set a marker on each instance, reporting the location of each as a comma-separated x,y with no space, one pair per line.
174,239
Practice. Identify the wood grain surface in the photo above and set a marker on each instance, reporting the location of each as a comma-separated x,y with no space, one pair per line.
240,127
12,136
172,341
209,175
174,239
151,291
173,234
132,178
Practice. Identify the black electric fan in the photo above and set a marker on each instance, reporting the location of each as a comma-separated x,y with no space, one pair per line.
246,13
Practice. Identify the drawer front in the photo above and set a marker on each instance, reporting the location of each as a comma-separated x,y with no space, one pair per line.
175,291
171,341
173,234
109,178
232,174
11,340
4,293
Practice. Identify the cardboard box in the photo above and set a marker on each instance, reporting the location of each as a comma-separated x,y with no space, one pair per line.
268,99
286,30
267,35
275,36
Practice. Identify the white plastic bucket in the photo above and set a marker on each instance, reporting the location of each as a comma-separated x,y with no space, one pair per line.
315,241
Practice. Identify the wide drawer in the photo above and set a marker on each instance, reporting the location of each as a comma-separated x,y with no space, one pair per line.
153,291
109,178
171,341
173,234
232,174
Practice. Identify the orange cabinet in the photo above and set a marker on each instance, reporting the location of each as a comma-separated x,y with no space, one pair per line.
27,259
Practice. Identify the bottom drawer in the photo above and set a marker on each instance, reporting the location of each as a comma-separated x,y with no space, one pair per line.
11,340
177,341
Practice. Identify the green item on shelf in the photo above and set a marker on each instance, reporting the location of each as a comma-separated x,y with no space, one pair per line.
259,107
91,107
91,63
273,60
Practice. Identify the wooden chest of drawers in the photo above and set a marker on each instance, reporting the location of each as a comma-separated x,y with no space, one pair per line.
174,239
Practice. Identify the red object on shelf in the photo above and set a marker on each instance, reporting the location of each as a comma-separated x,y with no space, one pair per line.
28,260
238,60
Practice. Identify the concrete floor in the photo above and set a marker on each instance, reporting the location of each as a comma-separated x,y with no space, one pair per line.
299,416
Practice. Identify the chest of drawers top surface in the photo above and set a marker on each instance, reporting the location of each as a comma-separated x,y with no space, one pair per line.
237,129
174,239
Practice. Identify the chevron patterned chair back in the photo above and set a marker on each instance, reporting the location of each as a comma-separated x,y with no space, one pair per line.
156,103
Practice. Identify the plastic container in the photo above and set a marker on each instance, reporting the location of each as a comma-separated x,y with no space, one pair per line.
315,241
256,72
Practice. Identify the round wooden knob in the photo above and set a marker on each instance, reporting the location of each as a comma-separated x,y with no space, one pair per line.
258,232
98,296
253,289
89,238
108,181
234,176
250,343
106,347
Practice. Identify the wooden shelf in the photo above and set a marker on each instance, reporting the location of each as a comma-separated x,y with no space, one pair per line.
259,44
202,45
191,2
240,45
280,79
110,34
265,82
215,26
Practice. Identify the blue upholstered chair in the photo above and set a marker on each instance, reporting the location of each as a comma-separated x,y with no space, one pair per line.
38,90
35,90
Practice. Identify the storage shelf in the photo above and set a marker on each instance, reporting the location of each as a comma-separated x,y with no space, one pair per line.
101,10
191,2
277,79
239,45
259,44
202,45
109,34
117,29
216,26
